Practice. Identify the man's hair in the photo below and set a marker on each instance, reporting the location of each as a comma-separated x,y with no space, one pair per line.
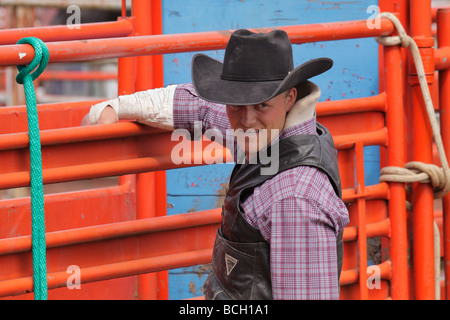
302,91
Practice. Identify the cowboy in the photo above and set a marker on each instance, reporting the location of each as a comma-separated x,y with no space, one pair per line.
281,233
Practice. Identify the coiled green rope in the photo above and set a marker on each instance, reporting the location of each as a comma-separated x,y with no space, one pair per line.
26,77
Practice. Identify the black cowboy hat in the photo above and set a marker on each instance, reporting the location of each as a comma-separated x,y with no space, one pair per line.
256,68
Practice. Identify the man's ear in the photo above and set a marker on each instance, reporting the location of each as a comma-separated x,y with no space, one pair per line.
291,97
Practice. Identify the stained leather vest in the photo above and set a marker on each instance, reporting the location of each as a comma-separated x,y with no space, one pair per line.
241,256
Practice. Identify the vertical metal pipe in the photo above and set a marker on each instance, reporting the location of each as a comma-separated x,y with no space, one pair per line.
145,182
361,208
160,176
142,12
423,209
124,8
395,79
395,120
157,28
126,85
443,38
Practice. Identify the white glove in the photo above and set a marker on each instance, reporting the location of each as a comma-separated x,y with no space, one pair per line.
153,107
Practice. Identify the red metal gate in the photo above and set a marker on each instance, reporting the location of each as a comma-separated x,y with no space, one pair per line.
116,232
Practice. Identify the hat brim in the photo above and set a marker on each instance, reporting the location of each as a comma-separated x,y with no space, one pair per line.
206,78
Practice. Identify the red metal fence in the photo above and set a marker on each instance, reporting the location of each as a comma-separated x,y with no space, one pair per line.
117,232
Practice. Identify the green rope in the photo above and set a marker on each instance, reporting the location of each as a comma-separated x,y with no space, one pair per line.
26,77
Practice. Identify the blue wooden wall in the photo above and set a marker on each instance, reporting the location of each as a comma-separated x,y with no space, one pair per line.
354,75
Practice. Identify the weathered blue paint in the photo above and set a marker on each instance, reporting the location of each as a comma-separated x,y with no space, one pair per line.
354,74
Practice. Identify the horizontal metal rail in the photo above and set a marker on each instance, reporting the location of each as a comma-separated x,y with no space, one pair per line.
442,58
111,271
336,107
375,229
13,55
67,152
114,231
14,118
122,230
65,160
77,75
120,28
127,228
72,208
351,276
101,259
69,114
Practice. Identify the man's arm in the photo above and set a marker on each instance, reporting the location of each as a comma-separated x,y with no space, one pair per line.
303,252
300,215
173,107
152,107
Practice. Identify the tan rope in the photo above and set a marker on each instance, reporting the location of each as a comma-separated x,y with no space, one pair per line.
416,171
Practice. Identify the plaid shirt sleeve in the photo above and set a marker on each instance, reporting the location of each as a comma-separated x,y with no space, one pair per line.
196,115
189,109
297,212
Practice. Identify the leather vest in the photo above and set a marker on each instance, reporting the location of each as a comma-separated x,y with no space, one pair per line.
241,256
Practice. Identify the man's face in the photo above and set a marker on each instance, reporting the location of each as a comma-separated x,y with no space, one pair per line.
256,126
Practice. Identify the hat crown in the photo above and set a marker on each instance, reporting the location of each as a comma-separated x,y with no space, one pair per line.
253,56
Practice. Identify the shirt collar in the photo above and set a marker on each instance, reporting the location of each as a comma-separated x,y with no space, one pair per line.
306,127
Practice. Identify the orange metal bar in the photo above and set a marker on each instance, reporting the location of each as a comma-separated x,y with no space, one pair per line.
114,230
101,261
114,203
126,74
127,70
352,276
374,103
120,28
443,38
145,187
361,208
147,183
378,191
434,11
376,229
395,122
124,8
442,57
347,141
111,271
159,44
142,12
69,114
160,176
127,148
157,29
349,276
423,210
78,134
158,81
14,118
77,75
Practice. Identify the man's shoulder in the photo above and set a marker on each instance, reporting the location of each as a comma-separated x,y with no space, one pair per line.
186,86
186,90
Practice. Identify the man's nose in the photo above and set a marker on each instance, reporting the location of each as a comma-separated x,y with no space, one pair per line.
248,116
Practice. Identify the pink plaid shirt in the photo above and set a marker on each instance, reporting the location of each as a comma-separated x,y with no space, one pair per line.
297,211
